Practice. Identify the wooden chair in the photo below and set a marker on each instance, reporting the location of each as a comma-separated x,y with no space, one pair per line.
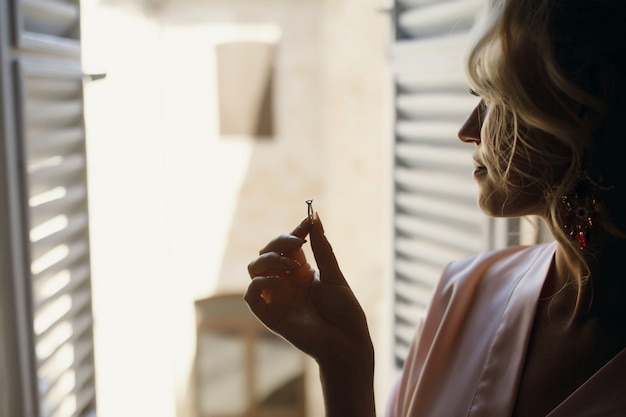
242,369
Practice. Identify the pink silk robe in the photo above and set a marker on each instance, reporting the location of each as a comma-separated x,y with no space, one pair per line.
467,358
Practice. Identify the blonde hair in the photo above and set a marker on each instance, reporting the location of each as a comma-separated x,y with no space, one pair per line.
537,65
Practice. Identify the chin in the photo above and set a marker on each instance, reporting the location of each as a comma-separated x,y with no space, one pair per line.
517,205
491,210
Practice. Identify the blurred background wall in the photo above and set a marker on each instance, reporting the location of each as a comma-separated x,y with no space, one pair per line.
179,207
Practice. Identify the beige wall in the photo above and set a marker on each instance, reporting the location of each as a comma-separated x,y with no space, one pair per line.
202,205
357,135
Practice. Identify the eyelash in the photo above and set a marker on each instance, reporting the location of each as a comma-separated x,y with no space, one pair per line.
474,93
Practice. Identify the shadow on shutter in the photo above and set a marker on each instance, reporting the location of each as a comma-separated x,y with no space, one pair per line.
436,216
49,96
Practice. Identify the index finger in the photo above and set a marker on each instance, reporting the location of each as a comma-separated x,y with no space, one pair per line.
289,242
303,229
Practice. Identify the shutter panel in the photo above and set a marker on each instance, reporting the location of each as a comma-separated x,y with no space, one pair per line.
49,138
435,212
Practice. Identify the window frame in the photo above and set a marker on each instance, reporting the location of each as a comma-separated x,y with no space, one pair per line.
26,55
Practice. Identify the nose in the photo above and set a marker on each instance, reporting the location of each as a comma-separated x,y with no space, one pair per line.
470,131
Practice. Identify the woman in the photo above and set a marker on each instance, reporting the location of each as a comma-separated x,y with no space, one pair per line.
526,331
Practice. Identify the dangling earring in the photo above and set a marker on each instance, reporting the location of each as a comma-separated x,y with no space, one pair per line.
580,209
579,216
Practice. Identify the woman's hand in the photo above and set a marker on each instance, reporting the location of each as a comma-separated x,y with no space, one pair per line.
316,312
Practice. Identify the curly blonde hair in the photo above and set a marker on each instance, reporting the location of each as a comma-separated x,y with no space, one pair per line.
543,65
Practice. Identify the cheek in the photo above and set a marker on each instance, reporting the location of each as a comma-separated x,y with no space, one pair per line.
495,139
510,203
534,157
541,161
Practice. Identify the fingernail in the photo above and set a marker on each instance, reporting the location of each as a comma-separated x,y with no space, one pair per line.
318,221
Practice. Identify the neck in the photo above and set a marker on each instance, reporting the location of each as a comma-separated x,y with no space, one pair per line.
568,286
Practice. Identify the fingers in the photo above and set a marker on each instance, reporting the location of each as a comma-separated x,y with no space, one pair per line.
257,295
324,257
272,263
288,244
283,244
283,254
303,229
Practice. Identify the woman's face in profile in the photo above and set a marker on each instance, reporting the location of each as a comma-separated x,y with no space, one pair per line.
529,173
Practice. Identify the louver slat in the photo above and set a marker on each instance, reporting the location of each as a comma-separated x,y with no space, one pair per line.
50,17
437,18
51,79
55,201
436,219
427,181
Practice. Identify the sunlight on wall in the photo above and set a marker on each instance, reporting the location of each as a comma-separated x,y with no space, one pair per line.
127,213
164,189
177,211
204,171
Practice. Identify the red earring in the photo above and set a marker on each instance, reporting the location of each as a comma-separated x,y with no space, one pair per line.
579,217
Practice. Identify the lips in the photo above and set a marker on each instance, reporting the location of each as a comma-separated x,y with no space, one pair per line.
478,164
479,168
480,171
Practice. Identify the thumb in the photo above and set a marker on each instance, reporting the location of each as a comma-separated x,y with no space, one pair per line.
324,256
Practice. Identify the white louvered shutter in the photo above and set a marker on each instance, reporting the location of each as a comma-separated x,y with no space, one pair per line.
436,216
44,214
